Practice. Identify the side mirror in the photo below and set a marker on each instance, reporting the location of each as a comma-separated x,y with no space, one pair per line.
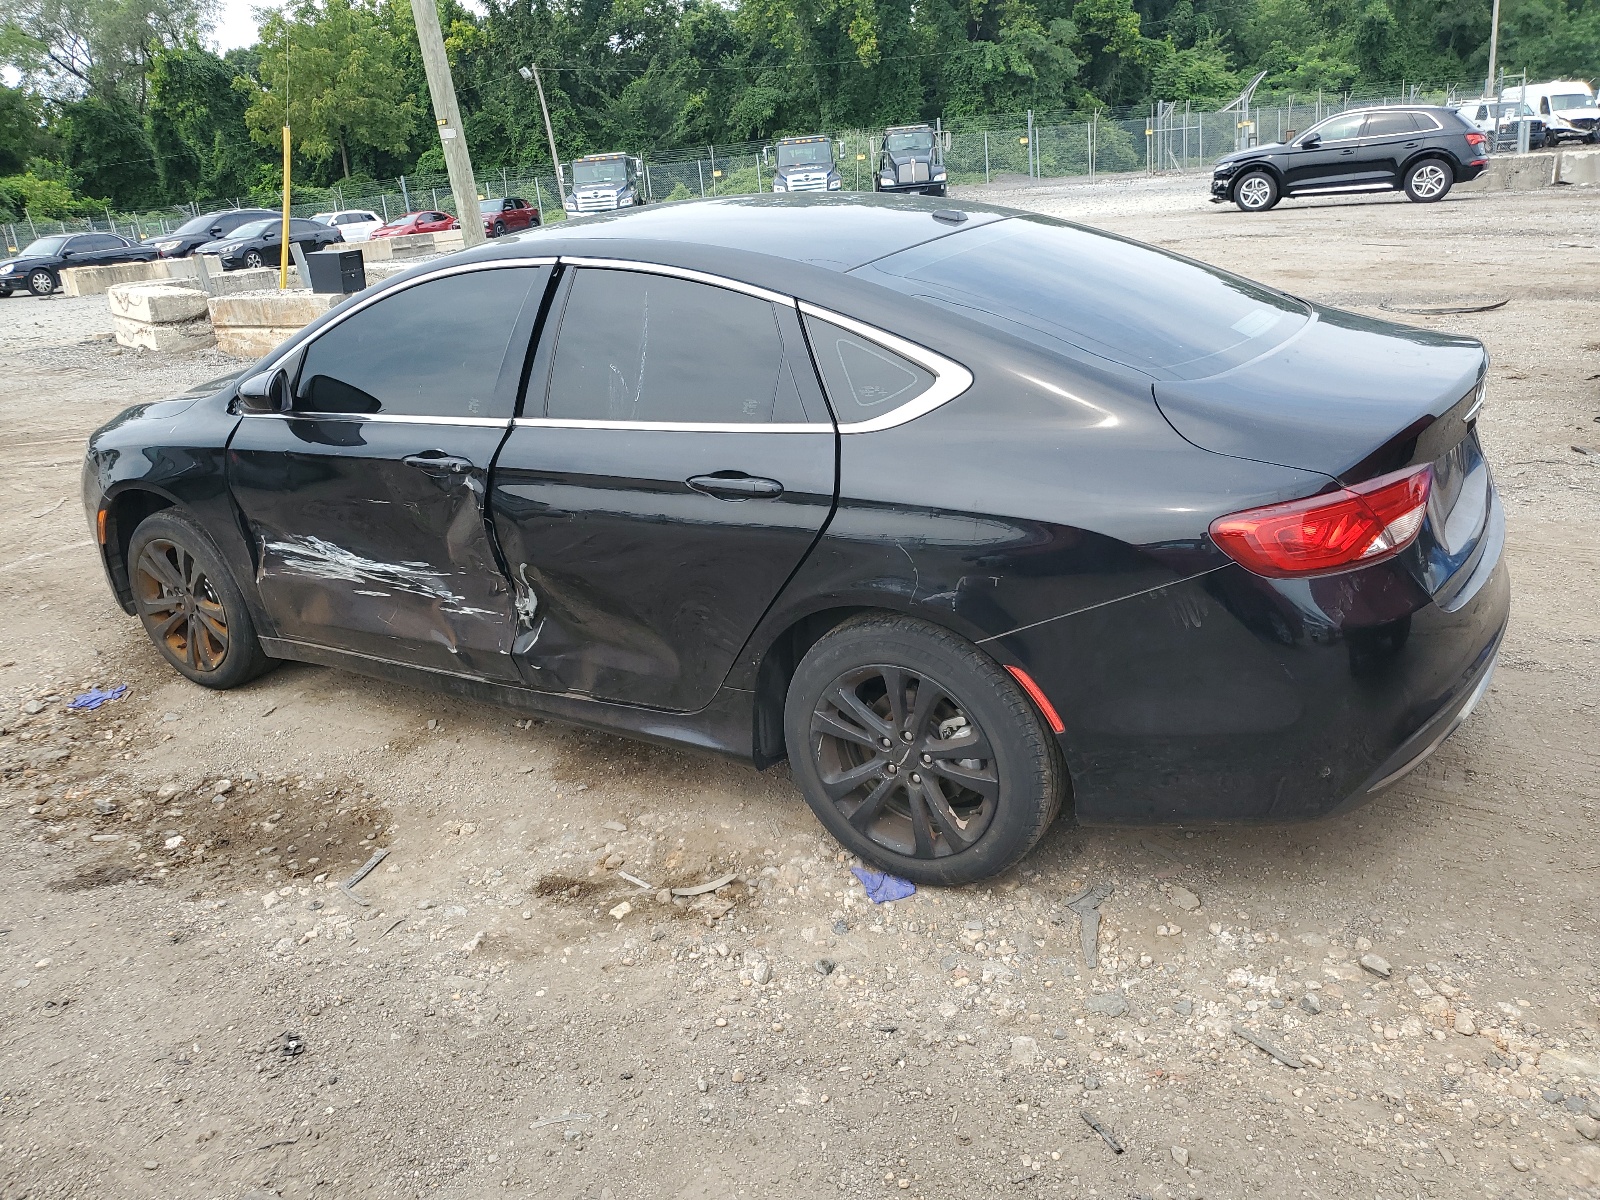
68,253
1311,142
216,231
267,392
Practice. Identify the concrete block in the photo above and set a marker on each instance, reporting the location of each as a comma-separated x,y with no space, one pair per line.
156,303
1579,167
448,241
1519,172
93,281
177,337
251,324
411,245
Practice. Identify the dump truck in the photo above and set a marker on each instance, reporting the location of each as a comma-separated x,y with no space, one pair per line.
604,183
912,160
805,164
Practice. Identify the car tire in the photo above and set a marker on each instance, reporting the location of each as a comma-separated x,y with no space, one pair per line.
1256,191
5,293
499,229
189,604
41,282
253,258
910,807
1429,180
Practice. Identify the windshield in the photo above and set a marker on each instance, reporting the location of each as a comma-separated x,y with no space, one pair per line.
612,170
44,247
918,139
806,154
490,206
1571,100
255,228
1069,289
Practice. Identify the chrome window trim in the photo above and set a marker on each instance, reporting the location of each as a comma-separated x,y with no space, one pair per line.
950,378
428,277
674,426
390,418
648,268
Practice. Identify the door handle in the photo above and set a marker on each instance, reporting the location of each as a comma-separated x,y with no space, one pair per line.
437,461
735,485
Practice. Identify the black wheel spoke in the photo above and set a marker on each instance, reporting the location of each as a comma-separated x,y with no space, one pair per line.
981,780
159,567
869,809
179,617
845,699
928,694
921,825
841,785
832,726
894,691
953,827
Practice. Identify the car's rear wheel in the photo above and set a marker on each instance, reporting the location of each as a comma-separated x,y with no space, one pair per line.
918,753
41,282
1256,192
1429,180
252,258
189,604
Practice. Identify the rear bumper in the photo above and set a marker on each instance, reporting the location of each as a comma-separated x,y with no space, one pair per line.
1239,699
1473,169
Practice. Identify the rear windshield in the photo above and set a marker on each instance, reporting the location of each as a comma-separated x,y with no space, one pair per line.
1068,289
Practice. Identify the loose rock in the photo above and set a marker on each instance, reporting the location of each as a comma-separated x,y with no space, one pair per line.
1180,1155
1024,1051
1185,899
1377,964
1107,1004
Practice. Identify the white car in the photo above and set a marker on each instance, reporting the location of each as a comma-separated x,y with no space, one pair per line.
356,224
1566,106
1500,118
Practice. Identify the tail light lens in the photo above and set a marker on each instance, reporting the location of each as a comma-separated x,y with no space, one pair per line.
1476,139
1353,527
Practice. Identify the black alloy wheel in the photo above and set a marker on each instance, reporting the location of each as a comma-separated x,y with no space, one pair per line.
41,282
919,753
499,229
252,258
189,604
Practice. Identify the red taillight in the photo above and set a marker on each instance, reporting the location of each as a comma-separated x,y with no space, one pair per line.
1476,139
1352,527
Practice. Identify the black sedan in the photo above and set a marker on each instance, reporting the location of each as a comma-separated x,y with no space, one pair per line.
39,265
207,227
1421,150
260,243
965,512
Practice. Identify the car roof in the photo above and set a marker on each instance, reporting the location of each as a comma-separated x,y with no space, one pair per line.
835,231
1372,108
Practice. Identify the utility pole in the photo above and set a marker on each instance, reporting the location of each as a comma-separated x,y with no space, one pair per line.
451,136
1494,45
532,73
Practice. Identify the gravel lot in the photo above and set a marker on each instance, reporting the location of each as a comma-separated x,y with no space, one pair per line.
190,1007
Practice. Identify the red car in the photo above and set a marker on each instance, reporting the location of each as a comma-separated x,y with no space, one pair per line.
507,216
428,221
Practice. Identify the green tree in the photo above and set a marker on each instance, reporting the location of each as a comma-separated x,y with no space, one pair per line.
335,72
20,133
71,47
196,124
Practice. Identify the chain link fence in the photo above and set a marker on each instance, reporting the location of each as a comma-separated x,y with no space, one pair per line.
1166,137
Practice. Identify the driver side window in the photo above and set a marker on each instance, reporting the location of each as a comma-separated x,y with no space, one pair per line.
1341,128
451,347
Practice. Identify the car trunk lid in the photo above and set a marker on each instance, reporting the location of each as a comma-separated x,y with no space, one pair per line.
1354,398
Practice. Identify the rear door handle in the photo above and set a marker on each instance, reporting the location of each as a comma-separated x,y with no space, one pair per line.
735,485
438,462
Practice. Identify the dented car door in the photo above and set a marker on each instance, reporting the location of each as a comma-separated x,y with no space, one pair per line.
365,503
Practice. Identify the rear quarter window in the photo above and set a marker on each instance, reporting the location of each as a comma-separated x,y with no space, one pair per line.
1081,292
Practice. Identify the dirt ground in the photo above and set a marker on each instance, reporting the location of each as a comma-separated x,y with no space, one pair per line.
190,1007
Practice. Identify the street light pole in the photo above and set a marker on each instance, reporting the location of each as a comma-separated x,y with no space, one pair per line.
452,138
532,73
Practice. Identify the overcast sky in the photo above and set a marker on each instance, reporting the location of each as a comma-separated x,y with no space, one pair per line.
236,25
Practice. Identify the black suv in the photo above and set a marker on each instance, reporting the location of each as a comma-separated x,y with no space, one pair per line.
1420,149
208,227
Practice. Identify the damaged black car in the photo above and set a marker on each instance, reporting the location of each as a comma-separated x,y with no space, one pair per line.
969,514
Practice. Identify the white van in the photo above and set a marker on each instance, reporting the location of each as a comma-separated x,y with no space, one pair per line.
1566,107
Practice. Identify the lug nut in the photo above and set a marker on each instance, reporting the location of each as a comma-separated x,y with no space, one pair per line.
892,769
927,760
885,743
905,735
915,778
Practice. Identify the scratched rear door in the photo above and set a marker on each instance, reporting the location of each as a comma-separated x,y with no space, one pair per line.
365,503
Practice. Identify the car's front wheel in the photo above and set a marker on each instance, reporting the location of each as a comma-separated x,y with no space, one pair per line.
1429,180
252,258
499,229
189,604
919,753
1256,192
41,282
